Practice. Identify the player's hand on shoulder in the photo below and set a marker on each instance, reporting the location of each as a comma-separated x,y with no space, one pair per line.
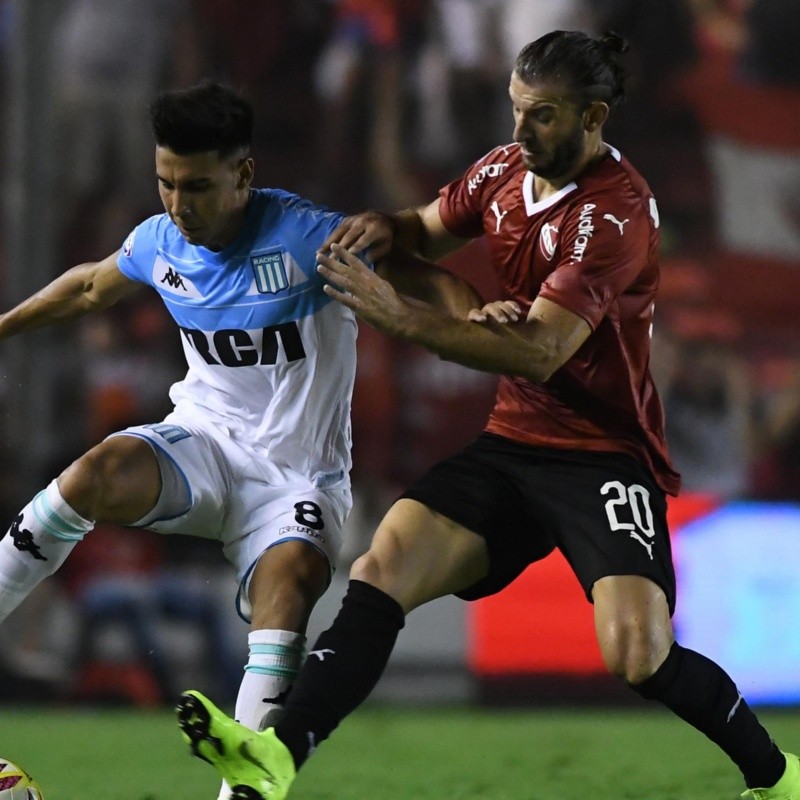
501,311
370,231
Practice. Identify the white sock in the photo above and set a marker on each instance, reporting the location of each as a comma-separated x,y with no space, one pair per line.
37,544
275,659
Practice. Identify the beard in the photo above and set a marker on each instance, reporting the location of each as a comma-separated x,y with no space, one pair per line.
565,156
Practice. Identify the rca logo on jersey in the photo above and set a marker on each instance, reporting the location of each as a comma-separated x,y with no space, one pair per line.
270,273
237,348
585,232
486,171
167,278
548,239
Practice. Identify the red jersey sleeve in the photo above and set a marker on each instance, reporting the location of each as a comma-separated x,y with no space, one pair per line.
461,202
609,240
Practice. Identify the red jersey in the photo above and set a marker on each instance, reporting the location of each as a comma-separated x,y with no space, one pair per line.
591,248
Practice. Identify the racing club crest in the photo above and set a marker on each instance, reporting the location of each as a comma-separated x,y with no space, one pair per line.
270,273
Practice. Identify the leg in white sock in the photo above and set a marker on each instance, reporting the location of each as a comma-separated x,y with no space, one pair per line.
275,659
286,582
37,544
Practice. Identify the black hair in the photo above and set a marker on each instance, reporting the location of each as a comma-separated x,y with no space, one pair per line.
205,117
590,67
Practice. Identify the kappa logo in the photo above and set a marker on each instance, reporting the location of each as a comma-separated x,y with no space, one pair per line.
548,239
280,698
496,209
619,223
173,280
269,270
302,529
23,539
166,277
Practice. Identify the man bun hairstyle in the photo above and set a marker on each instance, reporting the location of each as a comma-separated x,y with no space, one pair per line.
589,66
205,117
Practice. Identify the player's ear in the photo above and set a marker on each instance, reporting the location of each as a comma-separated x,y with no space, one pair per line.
246,170
595,115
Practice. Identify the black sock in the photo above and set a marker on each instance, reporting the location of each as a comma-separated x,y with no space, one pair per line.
703,694
342,669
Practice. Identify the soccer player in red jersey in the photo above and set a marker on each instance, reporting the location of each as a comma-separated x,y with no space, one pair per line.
573,456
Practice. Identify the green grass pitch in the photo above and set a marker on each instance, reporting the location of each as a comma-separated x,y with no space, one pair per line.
389,754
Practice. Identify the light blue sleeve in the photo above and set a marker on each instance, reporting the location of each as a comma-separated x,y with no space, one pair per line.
316,223
138,254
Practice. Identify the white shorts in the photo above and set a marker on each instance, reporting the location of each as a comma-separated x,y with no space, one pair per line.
218,488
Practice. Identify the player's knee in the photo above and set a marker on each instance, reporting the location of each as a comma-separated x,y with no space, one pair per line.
287,606
81,484
287,582
389,567
102,484
367,568
631,652
382,565
302,578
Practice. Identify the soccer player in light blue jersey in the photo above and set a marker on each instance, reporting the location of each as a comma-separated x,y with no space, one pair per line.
256,453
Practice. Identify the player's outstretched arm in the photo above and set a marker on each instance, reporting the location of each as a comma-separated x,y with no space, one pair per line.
84,288
533,348
417,230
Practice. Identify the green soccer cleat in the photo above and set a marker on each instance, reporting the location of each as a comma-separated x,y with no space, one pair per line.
787,788
257,766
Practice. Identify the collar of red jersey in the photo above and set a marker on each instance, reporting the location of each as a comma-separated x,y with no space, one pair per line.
533,206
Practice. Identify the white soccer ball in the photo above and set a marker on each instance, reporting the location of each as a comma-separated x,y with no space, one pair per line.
16,784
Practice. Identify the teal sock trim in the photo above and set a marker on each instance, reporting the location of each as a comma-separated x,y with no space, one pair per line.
273,650
278,672
55,524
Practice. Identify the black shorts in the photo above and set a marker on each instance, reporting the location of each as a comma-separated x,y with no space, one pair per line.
603,511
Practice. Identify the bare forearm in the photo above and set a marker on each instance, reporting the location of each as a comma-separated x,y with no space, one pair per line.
505,349
69,296
430,284
412,234
409,232
452,295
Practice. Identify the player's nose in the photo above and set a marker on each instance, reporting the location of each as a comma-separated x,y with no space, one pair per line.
520,136
180,206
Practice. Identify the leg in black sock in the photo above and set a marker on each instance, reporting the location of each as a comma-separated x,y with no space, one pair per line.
701,693
342,669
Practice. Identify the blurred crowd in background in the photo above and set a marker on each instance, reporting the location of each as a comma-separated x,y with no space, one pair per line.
377,103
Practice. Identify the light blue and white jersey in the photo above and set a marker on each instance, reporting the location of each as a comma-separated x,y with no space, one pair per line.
271,357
